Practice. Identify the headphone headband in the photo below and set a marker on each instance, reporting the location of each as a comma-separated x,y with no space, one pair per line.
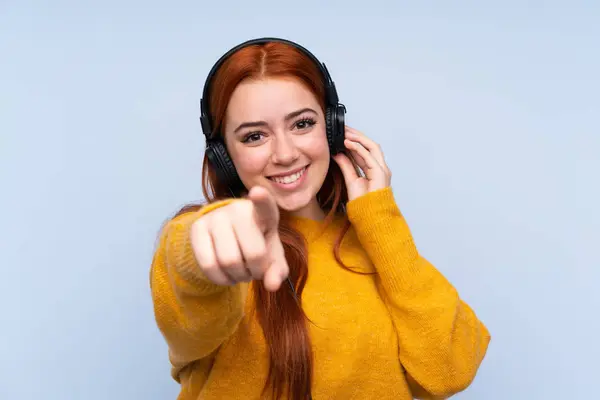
331,96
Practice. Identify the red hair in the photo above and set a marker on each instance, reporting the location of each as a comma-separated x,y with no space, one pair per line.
281,317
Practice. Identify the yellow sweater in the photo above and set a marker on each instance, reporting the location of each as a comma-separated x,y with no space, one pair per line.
401,333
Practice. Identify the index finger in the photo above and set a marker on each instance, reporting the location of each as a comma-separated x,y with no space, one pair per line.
367,143
265,208
278,270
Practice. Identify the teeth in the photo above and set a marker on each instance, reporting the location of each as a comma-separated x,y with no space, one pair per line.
290,178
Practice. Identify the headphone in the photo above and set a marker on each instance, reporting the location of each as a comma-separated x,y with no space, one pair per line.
216,151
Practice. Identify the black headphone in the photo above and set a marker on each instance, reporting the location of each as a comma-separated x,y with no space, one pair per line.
216,151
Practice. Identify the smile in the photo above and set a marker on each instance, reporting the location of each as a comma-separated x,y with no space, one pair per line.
289,179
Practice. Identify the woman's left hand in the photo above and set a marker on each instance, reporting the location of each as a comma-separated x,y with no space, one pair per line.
368,156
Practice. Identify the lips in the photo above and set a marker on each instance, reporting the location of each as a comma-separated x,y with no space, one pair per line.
289,177
284,174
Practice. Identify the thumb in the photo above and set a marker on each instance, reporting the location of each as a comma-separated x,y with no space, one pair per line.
266,212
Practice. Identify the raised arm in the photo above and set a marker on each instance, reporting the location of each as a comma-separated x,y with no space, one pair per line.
202,267
442,342
194,315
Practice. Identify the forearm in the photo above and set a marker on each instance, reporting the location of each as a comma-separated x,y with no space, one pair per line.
442,342
194,315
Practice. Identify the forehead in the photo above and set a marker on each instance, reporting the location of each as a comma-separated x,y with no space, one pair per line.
268,99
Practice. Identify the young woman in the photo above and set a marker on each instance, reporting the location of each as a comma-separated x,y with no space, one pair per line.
300,278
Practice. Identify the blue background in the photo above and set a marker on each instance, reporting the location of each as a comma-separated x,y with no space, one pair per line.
488,115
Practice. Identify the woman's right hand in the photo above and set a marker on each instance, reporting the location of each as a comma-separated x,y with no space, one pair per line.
240,242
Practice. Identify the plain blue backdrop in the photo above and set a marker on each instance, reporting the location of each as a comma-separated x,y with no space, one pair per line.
488,115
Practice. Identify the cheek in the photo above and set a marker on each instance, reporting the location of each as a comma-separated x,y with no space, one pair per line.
250,161
315,145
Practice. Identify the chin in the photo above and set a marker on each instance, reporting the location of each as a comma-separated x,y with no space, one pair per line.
295,202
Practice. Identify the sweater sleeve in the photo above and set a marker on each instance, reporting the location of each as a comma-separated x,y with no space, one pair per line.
441,340
194,315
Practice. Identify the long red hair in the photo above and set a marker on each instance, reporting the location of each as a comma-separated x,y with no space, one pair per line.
279,314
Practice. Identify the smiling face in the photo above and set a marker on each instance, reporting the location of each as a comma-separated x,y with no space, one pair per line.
275,135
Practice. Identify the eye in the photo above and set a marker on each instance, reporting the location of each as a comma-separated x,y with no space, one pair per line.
252,137
305,123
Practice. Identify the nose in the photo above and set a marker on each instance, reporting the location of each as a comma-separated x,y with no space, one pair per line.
284,149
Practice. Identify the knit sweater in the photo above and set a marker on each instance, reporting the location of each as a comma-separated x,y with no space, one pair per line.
403,332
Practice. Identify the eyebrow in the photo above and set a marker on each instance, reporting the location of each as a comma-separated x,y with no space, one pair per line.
255,124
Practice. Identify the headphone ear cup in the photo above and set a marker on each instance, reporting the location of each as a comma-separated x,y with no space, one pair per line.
219,157
335,128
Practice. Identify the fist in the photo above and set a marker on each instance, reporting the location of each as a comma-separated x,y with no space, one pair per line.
240,242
